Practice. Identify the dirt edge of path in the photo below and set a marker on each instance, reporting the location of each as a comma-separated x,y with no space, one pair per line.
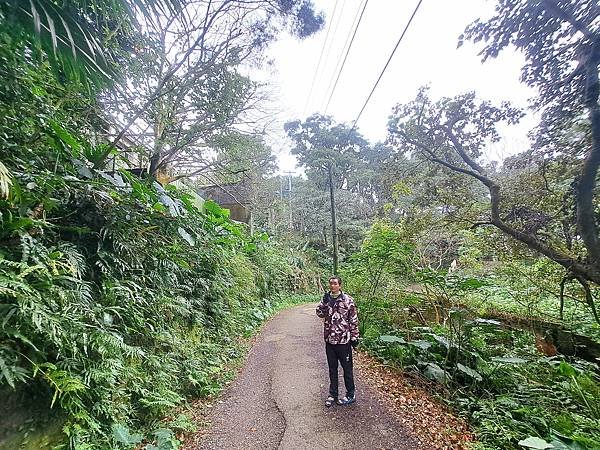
198,409
413,405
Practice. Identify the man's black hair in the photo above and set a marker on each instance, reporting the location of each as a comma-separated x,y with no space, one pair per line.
335,277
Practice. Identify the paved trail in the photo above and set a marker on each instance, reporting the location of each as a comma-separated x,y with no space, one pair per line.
277,400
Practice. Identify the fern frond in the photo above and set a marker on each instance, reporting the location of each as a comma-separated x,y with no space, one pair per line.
11,372
61,381
73,259
13,264
14,288
31,269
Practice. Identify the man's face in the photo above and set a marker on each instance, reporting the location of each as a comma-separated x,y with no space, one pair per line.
334,286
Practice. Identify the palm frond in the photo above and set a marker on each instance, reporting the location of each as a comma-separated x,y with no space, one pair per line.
79,39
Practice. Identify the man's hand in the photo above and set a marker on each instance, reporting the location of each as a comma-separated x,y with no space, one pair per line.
322,310
354,343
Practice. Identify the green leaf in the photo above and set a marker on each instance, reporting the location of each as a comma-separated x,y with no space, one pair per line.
7,375
442,340
423,345
436,373
22,223
467,370
122,435
566,369
471,283
214,209
391,339
508,360
159,207
16,334
182,263
535,442
165,440
66,137
561,445
186,236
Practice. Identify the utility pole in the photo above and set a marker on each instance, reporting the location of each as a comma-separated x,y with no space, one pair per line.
333,221
280,187
291,222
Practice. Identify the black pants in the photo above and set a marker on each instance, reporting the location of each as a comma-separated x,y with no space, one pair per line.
343,354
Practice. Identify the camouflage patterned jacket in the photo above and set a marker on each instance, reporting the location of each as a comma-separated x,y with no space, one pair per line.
341,318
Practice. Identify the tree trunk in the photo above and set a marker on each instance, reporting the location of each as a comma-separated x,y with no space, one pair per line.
586,221
154,162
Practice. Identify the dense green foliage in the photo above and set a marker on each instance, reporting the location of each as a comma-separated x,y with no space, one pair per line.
118,298
491,374
480,334
124,298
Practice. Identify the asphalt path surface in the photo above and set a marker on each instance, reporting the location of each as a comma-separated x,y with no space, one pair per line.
277,401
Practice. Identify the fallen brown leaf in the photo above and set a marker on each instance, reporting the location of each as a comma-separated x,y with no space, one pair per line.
409,398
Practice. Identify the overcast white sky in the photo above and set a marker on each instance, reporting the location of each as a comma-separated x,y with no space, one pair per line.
426,55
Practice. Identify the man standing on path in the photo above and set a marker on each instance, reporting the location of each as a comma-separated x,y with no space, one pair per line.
341,335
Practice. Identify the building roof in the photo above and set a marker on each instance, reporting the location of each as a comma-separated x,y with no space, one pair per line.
229,194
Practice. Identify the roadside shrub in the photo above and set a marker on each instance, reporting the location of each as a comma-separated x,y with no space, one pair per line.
122,298
489,373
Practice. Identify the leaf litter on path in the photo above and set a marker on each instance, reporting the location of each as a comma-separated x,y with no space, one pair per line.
409,400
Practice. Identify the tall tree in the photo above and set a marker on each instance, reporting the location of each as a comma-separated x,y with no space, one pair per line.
561,41
185,91
329,150
168,70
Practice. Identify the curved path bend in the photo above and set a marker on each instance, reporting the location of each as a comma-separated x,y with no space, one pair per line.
277,400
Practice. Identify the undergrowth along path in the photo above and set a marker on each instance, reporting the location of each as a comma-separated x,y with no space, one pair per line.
277,400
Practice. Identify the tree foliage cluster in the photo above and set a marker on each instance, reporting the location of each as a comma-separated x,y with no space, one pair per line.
434,174
375,183
168,93
335,155
544,198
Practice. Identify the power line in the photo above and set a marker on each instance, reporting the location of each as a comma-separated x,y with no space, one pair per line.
342,50
347,52
331,42
386,64
312,86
